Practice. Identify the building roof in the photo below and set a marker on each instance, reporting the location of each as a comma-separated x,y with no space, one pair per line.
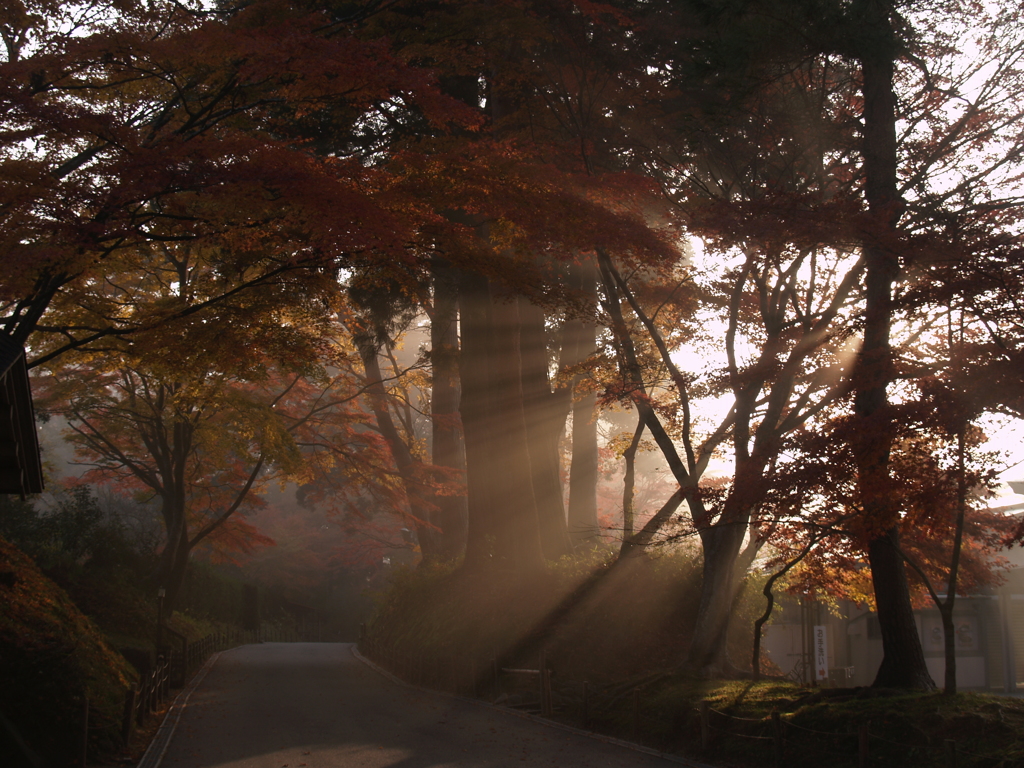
21,470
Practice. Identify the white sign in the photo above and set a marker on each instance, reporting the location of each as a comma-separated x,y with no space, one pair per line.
820,653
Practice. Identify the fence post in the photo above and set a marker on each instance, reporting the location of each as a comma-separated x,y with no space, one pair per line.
142,706
546,706
862,745
164,686
951,748
705,726
128,724
777,737
84,746
585,715
636,714
496,673
540,681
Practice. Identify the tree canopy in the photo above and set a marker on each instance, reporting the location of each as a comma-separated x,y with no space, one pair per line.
220,222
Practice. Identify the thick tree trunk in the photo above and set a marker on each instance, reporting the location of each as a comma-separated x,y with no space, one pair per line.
903,664
174,558
477,413
448,449
583,527
545,411
170,570
519,542
176,578
583,468
503,528
708,649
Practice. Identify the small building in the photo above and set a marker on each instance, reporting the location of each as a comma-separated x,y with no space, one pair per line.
989,638
21,469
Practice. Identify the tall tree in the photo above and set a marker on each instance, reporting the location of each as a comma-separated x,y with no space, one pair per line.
903,664
519,203
579,346
448,451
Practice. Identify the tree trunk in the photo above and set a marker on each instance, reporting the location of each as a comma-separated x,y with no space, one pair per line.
708,650
903,664
476,409
629,487
545,412
176,578
583,468
503,528
170,571
946,607
448,451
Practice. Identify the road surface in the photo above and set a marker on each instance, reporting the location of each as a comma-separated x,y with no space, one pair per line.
315,705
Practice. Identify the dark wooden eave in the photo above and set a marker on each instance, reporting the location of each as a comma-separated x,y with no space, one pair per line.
21,470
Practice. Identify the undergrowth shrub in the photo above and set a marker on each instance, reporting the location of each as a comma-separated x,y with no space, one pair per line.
593,622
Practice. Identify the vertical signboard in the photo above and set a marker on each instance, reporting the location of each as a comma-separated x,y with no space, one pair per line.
820,653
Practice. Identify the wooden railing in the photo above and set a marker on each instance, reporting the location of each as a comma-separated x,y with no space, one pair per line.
175,668
145,698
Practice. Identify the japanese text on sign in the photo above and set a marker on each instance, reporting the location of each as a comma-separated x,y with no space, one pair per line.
820,652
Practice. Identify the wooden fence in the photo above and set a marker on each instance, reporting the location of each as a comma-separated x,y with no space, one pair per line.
145,698
154,687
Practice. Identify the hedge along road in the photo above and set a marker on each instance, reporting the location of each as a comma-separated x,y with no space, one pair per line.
316,705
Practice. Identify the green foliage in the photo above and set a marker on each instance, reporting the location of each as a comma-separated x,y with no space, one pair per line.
57,537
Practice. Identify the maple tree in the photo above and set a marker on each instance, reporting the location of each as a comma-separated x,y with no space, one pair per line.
896,202
913,184
205,445
127,124
129,130
785,304
949,537
203,410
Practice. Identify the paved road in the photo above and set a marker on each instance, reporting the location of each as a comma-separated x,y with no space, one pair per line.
314,705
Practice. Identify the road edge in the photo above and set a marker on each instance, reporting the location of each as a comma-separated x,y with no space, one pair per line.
157,748
527,716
